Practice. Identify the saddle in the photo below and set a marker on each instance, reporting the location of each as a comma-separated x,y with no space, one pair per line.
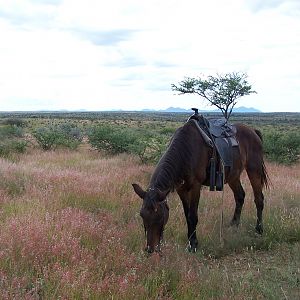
221,137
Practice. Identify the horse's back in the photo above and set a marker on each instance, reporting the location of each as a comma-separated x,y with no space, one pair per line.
248,138
250,146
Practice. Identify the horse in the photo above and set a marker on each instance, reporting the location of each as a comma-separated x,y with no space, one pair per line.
184,167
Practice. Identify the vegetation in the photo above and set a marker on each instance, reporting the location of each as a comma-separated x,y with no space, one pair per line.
16,122
115,140
70,227
64,135
11,140
282,147
143,134
221,91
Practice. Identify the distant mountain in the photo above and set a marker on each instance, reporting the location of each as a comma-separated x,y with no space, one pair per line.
241,109
175,109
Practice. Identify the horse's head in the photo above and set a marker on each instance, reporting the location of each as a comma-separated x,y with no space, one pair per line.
155,214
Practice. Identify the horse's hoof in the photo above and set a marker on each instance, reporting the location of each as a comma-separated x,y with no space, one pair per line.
192,248
259,229
234,223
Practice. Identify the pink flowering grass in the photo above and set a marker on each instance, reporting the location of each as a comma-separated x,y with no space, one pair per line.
70,229
70,247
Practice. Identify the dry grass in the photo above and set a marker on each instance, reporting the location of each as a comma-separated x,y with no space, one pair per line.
70,229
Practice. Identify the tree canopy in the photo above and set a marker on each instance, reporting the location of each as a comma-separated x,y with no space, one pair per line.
221,91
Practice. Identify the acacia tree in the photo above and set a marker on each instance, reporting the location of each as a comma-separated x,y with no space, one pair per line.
221,91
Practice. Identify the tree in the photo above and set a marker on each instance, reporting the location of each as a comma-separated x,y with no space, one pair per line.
221,91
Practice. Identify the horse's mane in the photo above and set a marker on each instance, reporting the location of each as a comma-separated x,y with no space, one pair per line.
176,161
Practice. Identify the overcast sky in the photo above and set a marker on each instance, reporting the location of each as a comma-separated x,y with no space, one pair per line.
125,54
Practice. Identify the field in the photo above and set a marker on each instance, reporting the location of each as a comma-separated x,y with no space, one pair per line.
70,227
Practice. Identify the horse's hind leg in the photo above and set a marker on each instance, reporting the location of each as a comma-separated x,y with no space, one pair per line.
239,196
257,186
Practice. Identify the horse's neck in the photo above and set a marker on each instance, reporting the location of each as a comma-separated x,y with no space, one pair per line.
165,176
176,161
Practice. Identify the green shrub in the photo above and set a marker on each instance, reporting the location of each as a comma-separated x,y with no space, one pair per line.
70,131
149,148
10,141
64,135
4,150
112,139
9,131
17,122
167,131
282,147
67,142
19,146
9,146
47,137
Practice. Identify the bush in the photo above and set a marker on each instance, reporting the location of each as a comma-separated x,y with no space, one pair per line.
47,137
19,146
112,139
15,122
10,141
149,147
70,131
12,146
9,131
64,135
282,147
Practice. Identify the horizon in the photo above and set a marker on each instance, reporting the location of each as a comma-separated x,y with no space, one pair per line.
253,110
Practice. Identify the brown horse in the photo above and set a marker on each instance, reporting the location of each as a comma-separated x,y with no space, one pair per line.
185,168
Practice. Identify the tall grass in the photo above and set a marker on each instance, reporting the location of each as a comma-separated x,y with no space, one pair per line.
70,228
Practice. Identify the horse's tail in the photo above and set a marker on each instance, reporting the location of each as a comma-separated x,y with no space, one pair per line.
265,179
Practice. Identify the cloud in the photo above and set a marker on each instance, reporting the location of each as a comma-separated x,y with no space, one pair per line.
105,37
28,14
287,7
126,54
258,5
164,64
47,2
125,61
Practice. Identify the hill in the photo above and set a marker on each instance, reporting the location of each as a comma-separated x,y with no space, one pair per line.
241,109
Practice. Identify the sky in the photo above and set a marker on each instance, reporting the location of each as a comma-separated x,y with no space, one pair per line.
117,54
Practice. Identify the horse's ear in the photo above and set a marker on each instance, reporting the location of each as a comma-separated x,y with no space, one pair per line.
141,193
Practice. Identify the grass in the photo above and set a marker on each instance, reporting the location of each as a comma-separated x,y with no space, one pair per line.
70,228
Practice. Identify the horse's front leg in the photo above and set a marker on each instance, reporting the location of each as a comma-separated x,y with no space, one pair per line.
190,201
